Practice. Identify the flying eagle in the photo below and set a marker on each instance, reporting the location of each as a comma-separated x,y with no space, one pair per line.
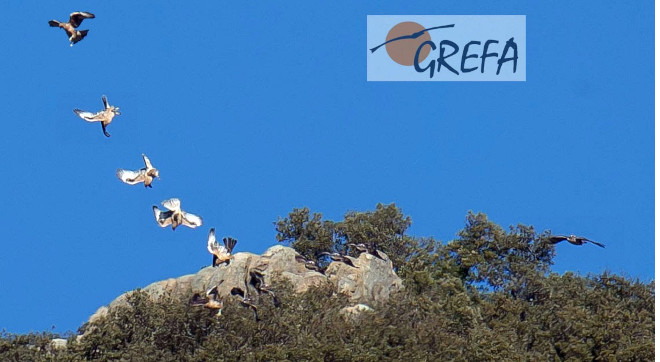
257,281
145,174
367,248
340,258
575,240
246,301
70,27
105,116
211,301
221,254
175,215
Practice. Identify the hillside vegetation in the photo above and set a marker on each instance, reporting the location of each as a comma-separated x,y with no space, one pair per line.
487,295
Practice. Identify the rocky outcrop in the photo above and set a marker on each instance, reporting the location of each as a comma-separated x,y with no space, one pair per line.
56,344
371,280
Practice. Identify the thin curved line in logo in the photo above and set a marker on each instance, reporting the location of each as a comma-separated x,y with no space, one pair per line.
404,39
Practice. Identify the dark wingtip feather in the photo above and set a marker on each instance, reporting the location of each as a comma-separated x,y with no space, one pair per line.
230,243
556,239
197,300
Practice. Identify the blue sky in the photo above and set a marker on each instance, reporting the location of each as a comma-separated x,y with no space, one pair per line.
252,109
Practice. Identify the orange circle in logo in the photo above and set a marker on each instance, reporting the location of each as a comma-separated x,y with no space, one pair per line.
403,51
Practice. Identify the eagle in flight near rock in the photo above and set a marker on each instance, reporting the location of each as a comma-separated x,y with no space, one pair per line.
70,27
145,174
105,116
246,301
175,216
221,254
211,301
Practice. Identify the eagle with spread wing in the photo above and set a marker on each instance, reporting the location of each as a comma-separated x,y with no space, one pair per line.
105,116
210,301
175,216
221,254
144,175
70,26
575,240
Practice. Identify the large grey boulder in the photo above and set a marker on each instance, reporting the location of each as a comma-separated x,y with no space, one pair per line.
371,280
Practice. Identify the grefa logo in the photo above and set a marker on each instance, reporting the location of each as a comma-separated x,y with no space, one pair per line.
452,48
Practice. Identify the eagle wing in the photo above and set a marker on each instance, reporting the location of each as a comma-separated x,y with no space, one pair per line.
213,246
191,220
87,116
130,177
593,242
76,18
557,238
147,162
163,218
198,300
172,204
213,291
